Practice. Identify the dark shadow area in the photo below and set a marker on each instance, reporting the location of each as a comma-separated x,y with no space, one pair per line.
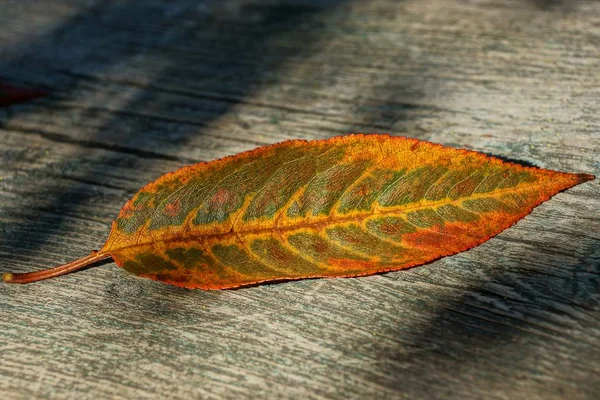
512,160
198,59
564,6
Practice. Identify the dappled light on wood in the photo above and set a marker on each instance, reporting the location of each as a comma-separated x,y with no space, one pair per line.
342,207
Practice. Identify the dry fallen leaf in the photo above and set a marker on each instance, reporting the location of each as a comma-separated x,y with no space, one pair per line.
342,207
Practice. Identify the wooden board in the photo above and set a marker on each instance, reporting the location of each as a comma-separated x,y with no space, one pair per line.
139,88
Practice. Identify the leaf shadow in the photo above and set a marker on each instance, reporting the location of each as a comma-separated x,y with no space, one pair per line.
511,160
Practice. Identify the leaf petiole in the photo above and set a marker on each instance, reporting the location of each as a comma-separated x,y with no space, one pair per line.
56,271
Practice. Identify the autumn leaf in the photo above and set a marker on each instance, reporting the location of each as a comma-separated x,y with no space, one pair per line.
343,207
10,94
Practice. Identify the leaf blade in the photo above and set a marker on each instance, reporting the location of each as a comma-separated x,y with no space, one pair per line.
347,206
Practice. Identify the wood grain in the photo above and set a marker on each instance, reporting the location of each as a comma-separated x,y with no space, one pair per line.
133,98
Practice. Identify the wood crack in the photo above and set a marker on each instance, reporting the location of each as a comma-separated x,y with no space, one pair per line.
93,144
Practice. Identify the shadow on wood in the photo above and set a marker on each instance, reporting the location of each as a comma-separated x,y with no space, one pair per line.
511,313
139,133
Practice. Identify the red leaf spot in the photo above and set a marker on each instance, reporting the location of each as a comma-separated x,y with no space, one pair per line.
222,196
172,209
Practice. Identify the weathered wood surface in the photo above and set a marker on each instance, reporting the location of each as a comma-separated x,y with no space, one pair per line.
140,88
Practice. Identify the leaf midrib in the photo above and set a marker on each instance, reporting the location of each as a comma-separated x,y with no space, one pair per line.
404,210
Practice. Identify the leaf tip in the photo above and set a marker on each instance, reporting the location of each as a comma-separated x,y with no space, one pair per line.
7,277
585,177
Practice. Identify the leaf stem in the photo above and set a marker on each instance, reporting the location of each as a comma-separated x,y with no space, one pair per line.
56,271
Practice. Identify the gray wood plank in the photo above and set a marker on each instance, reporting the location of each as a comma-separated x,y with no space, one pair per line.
140,88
